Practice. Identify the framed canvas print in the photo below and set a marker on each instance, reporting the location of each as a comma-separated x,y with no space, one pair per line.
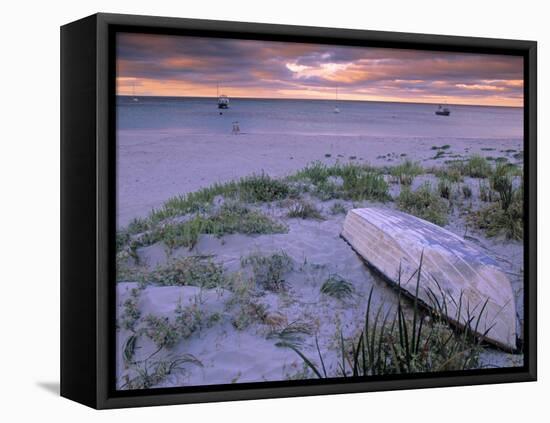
254,211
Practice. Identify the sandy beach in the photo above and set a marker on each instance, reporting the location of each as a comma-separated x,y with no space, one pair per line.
240,337
155,165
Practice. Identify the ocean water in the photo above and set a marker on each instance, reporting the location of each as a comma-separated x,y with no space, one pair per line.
316,117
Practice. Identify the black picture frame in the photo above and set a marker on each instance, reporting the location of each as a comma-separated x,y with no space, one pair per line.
88,224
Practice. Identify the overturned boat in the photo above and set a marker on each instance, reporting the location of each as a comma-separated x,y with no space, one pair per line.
456,278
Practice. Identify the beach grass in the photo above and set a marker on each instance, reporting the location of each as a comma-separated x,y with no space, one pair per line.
338,208
505,216
424,203
393,342
269,271
336,286
251,189
292,333
192,270
350,181
477,167
304,210
231,218
405,172
444,186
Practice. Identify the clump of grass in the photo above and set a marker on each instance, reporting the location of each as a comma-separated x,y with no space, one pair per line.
506,216
137,226
231,218
486,194
359,181
166,333
248,313
269,271
338,208
478,167
466,191
148,373
262,188
161,331
194,270
406,172
444,187
254,188
452,172
131,312
393,343
501,182
423,203
292,334
497,222
190,319
337,287
304,210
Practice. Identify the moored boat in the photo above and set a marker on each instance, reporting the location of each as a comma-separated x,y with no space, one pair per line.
443,111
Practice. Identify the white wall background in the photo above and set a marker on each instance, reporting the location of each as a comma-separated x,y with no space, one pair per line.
29,224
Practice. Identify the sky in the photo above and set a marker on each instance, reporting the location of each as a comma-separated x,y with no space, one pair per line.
165,65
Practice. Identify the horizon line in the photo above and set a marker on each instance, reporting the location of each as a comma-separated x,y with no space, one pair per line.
327,100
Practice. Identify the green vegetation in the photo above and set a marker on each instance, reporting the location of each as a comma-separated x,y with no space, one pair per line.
248,309
149,373
466,191
406,172
231,218
255,188
338,208
131,313
486,194
502,182
161,331
477,167
269,271
452,172
337,287
506,216
393,343
304,210
444,187
248,313
423,203
358,182
292,334
194,270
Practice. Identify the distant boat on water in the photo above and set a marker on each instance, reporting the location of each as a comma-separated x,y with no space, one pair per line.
223,100
134,98
336,108
443,111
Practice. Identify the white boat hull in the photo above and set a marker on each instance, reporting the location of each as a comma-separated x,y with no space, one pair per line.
454,272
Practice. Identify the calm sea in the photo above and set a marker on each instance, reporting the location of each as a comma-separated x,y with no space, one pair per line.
317,117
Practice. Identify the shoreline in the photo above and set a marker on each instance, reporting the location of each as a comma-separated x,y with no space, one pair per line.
155,165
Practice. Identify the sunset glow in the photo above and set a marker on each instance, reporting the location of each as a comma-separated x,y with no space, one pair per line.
161,65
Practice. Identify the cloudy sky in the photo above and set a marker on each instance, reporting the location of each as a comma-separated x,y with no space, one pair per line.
191,66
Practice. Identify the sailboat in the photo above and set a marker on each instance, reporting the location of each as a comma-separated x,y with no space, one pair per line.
336,108
223,100
134,98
